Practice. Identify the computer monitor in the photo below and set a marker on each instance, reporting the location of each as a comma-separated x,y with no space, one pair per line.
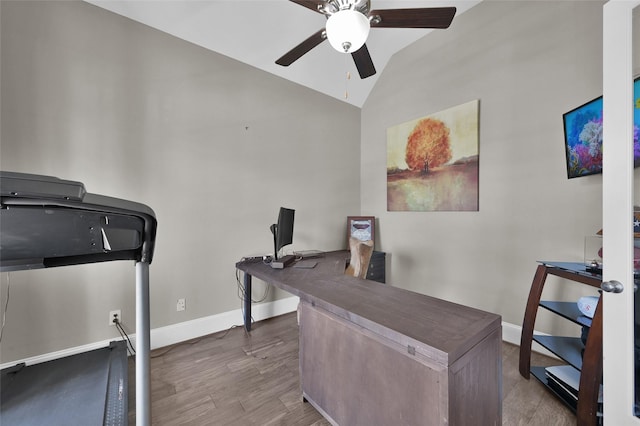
283,230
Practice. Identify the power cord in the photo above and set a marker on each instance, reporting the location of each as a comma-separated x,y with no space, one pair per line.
241,295
124,336
242,292
196,341
6,306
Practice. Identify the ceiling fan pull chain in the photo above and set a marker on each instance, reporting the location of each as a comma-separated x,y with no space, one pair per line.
348,77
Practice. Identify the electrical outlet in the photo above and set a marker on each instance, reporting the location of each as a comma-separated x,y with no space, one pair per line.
181,305
113,315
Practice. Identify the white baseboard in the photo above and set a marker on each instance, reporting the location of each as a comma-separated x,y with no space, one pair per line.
171,334
511,334
176,333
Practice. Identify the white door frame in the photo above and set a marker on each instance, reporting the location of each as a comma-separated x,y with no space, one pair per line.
617,211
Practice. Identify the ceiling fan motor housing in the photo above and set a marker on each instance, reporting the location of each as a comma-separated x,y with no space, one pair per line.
332,6
347,30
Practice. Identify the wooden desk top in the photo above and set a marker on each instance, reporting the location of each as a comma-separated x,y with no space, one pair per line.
439,330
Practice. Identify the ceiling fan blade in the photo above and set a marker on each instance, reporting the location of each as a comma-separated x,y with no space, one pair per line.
310,4
363,62
304,47
431,17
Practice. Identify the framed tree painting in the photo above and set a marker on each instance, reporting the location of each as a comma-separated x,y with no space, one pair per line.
432,162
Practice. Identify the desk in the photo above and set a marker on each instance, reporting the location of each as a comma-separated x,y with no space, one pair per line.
374,354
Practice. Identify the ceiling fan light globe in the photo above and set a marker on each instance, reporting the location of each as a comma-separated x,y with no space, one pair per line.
347,30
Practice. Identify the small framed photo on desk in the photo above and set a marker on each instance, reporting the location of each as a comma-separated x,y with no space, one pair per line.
361,227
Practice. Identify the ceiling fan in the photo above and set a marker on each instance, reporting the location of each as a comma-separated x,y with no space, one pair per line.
348,24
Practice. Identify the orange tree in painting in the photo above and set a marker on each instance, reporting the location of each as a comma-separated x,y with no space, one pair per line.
428,145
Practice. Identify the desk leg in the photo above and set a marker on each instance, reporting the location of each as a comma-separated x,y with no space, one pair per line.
526,337
247,301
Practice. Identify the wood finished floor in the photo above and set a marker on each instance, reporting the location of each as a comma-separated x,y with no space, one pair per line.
231,378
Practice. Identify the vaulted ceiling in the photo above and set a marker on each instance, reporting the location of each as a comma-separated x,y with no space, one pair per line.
257,32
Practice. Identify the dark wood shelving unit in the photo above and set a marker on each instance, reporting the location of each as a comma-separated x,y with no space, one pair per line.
585,357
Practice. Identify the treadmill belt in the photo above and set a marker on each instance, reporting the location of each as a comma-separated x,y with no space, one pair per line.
84,389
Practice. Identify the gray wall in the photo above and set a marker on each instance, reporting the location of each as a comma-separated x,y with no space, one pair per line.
204,140
213,146
527,63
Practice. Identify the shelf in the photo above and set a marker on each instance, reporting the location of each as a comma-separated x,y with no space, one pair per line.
539,373
567,310
569,349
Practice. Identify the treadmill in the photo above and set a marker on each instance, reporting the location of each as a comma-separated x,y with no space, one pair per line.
47,222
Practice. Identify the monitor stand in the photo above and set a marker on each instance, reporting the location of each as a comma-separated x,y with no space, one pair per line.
283,261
